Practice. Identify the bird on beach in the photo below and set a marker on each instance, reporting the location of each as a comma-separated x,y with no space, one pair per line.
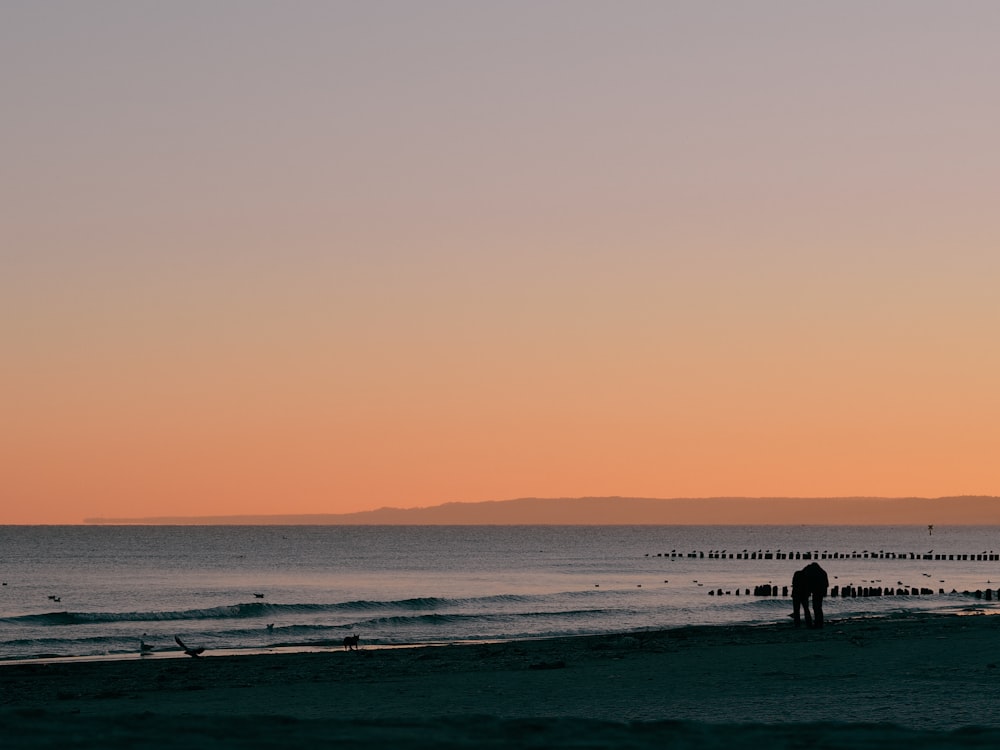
189,651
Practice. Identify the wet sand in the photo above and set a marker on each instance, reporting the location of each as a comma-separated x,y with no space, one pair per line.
928,681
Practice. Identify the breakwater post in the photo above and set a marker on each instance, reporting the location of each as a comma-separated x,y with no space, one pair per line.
854,592
984,556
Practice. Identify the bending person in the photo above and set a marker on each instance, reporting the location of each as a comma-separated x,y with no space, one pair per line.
810,582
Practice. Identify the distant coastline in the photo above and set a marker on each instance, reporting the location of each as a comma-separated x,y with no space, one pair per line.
604,511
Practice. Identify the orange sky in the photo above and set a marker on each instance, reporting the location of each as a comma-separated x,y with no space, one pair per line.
260,259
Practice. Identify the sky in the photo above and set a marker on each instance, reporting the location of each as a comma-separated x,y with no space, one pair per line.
321,257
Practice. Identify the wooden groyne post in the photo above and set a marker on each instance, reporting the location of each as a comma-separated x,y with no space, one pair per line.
826,555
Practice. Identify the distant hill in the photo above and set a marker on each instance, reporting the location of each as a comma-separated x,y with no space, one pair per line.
738,511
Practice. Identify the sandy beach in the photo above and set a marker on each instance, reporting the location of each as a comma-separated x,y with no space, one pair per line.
928,681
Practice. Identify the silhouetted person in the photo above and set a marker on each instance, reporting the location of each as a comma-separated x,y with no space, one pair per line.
813,582
800,599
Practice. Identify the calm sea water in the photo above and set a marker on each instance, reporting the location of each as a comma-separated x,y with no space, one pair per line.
96,591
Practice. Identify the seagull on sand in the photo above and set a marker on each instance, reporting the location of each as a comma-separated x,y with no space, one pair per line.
189,651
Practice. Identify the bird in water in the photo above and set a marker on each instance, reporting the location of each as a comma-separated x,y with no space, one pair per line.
189,651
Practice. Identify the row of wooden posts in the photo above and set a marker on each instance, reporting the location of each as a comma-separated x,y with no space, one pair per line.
816,555
853,592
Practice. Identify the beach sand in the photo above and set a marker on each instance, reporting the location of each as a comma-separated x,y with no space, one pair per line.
926,681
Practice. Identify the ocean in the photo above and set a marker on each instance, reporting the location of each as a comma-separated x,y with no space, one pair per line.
98,591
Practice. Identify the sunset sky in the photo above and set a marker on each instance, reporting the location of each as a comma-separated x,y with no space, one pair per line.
308,257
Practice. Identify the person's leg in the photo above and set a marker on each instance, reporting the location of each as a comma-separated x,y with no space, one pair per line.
796,606
818,609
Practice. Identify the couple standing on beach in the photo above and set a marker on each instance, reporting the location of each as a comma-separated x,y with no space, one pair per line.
811,581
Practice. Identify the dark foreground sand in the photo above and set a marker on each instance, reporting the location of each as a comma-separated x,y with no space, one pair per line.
928,681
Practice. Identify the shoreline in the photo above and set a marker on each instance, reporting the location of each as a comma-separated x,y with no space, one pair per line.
169,652
920,675
214,653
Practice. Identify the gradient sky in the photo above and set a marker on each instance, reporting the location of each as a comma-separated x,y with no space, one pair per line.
304,257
